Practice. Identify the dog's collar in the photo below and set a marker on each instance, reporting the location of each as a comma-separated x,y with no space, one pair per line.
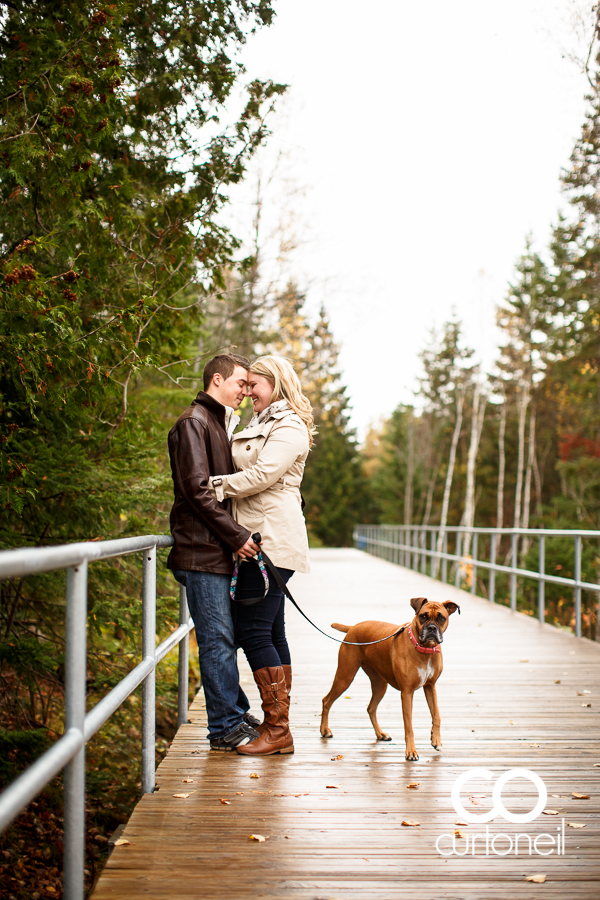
419,647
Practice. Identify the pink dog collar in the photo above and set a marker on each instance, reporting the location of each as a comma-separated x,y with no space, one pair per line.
421,649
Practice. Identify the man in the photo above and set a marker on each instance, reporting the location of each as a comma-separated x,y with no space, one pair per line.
206,536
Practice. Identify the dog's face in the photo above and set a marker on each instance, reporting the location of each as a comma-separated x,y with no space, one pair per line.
431,619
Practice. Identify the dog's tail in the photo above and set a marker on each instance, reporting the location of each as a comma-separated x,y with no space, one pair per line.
338,627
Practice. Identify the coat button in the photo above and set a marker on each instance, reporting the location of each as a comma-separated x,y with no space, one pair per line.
247,446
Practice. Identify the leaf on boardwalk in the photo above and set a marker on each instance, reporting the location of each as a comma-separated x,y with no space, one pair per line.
240,793
339,756
550,812
121,841
411,822
257,837
576,824
577,796
538,879
557,681
333,785
461,823
597,765
254,775
187,780
581,693
414,785
510,722
458,833
225,802
586,705
184,796
533,745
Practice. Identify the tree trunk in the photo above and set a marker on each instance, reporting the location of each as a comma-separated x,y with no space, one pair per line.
460,400
410,472
522,404
501,465
528,473
476,427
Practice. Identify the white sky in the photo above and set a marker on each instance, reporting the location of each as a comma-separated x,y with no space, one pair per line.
430,138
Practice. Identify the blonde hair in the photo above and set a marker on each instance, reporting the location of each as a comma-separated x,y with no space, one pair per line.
286,386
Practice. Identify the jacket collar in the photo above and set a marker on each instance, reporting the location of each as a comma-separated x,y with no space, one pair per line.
212,405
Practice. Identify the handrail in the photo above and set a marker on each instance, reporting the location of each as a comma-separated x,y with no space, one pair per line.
415,553
69,751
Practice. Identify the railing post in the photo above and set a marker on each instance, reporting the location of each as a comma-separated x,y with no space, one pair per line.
183,673
492,578
405,552
513,575
474,564
433,557
149,683
541,582
578,585
423,546
75,676
444,560
458,557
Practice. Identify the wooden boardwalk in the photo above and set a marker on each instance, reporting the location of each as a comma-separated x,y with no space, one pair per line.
513,693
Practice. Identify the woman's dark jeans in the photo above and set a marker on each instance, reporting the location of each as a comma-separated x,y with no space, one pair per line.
260,628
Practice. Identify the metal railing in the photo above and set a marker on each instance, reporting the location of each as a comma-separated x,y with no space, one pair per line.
407,545
69,751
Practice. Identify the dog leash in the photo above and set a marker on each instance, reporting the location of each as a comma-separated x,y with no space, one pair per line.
262,556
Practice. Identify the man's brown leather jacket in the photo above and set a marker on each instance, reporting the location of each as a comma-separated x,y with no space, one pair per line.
205,533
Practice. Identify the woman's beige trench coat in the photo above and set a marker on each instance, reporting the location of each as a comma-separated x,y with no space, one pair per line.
270,458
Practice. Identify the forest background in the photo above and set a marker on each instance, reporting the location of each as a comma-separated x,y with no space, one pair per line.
124,130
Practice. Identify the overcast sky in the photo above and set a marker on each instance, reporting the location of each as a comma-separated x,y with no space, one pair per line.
430,139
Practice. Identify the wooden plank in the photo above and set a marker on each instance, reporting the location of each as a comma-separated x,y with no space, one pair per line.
501,708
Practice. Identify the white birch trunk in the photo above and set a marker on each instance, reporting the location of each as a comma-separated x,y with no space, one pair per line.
522,405
479,405
460,400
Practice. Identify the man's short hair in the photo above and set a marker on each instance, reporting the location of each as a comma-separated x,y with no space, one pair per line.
225,365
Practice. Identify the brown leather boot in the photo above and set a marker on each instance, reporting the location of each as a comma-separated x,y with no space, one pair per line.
276,736
287,671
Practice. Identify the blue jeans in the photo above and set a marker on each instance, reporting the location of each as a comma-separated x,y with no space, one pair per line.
210,608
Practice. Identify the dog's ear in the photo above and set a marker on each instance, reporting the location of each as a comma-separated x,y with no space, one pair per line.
451,607
417,603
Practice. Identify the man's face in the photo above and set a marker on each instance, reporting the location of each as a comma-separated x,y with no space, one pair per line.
231,391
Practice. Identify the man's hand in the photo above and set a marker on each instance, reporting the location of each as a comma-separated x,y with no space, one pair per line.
248,550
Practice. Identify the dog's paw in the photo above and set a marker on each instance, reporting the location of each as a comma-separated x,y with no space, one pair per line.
326,733
412,755
384,737
437,746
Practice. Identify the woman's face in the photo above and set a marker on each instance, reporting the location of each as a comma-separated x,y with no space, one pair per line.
260,390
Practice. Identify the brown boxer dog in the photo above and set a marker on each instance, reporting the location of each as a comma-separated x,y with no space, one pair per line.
410,660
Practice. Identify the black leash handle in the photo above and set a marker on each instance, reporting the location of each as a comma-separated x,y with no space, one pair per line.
283,586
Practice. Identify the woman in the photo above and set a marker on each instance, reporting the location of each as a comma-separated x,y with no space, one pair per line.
270,454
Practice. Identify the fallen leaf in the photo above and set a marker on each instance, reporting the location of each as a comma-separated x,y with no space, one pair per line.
458,833
410,822
347,697
556,682
586,705
556,796
339,756
523,660
333,785
533,745
413,785
460,823
577,796
550,812
226,802
187,780
510,722
538,879
196,751
584,691
120,841
254,775
240,793
183,796
576,824
257,837
597,765
287,837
